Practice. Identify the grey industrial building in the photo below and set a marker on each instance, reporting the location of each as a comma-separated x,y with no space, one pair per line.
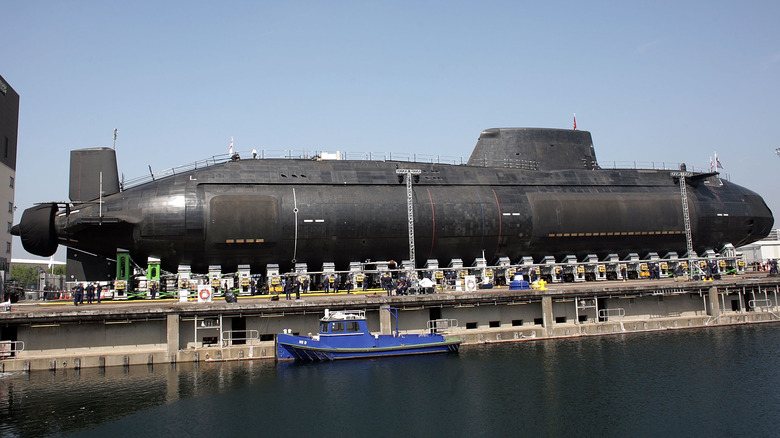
9,128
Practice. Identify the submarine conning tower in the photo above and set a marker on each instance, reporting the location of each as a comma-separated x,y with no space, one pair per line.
534,149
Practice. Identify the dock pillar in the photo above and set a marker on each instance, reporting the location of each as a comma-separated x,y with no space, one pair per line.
173,336
547,314
714,304
385,321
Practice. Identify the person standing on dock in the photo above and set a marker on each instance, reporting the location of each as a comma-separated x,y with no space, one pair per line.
387,284
90,293
288,288
98,291
78,294
305,285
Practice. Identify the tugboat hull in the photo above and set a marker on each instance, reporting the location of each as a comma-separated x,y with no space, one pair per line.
289,347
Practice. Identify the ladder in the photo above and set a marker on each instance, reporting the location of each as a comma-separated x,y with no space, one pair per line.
683,181
410,209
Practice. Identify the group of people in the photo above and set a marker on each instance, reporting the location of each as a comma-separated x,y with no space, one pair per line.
768,266
332,283
400,286
91,290
293,285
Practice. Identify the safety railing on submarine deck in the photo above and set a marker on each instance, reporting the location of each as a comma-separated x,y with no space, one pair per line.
381,156
289,154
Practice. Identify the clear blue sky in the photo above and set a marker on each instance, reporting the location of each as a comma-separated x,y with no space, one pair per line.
663,81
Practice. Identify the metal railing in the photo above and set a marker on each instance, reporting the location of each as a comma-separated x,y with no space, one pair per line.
606,314
10,348
239,335
441,325
760,304
290,154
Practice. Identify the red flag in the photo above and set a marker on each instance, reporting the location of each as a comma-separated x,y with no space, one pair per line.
575,122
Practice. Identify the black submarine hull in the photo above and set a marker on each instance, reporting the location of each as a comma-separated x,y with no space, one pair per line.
549,198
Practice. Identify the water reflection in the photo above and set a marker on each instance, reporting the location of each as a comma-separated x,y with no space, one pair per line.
51,403
699,381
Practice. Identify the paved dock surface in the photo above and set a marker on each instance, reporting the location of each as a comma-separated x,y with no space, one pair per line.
318,299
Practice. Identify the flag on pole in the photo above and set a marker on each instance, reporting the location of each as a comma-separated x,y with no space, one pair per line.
230,151
717,162
575,122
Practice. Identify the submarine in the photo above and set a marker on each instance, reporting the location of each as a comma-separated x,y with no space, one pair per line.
524,192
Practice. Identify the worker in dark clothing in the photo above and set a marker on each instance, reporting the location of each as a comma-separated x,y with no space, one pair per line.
90,289
288,288
78,294
387,284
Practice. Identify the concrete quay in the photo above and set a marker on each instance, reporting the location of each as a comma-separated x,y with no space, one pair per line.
53,336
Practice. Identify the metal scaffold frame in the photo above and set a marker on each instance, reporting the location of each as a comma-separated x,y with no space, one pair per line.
410,209
682,177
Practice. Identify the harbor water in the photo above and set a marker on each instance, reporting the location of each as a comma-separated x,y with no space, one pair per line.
720,381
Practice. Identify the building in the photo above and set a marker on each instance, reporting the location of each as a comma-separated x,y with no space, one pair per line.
763,250
9,127
47,280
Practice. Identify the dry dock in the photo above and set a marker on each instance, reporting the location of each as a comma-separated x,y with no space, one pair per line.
52,336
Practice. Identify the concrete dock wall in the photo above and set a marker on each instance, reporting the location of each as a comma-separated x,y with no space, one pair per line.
55,339
152,333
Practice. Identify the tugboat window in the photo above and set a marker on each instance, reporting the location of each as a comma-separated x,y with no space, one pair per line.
337,327
353,326
324,327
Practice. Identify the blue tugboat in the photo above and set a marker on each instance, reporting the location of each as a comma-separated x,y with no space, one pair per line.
344,335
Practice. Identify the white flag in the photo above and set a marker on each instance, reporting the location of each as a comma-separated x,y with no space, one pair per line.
717,162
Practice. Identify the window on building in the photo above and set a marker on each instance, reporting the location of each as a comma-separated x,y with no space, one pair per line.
9,228
7,246
12,182
10,207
